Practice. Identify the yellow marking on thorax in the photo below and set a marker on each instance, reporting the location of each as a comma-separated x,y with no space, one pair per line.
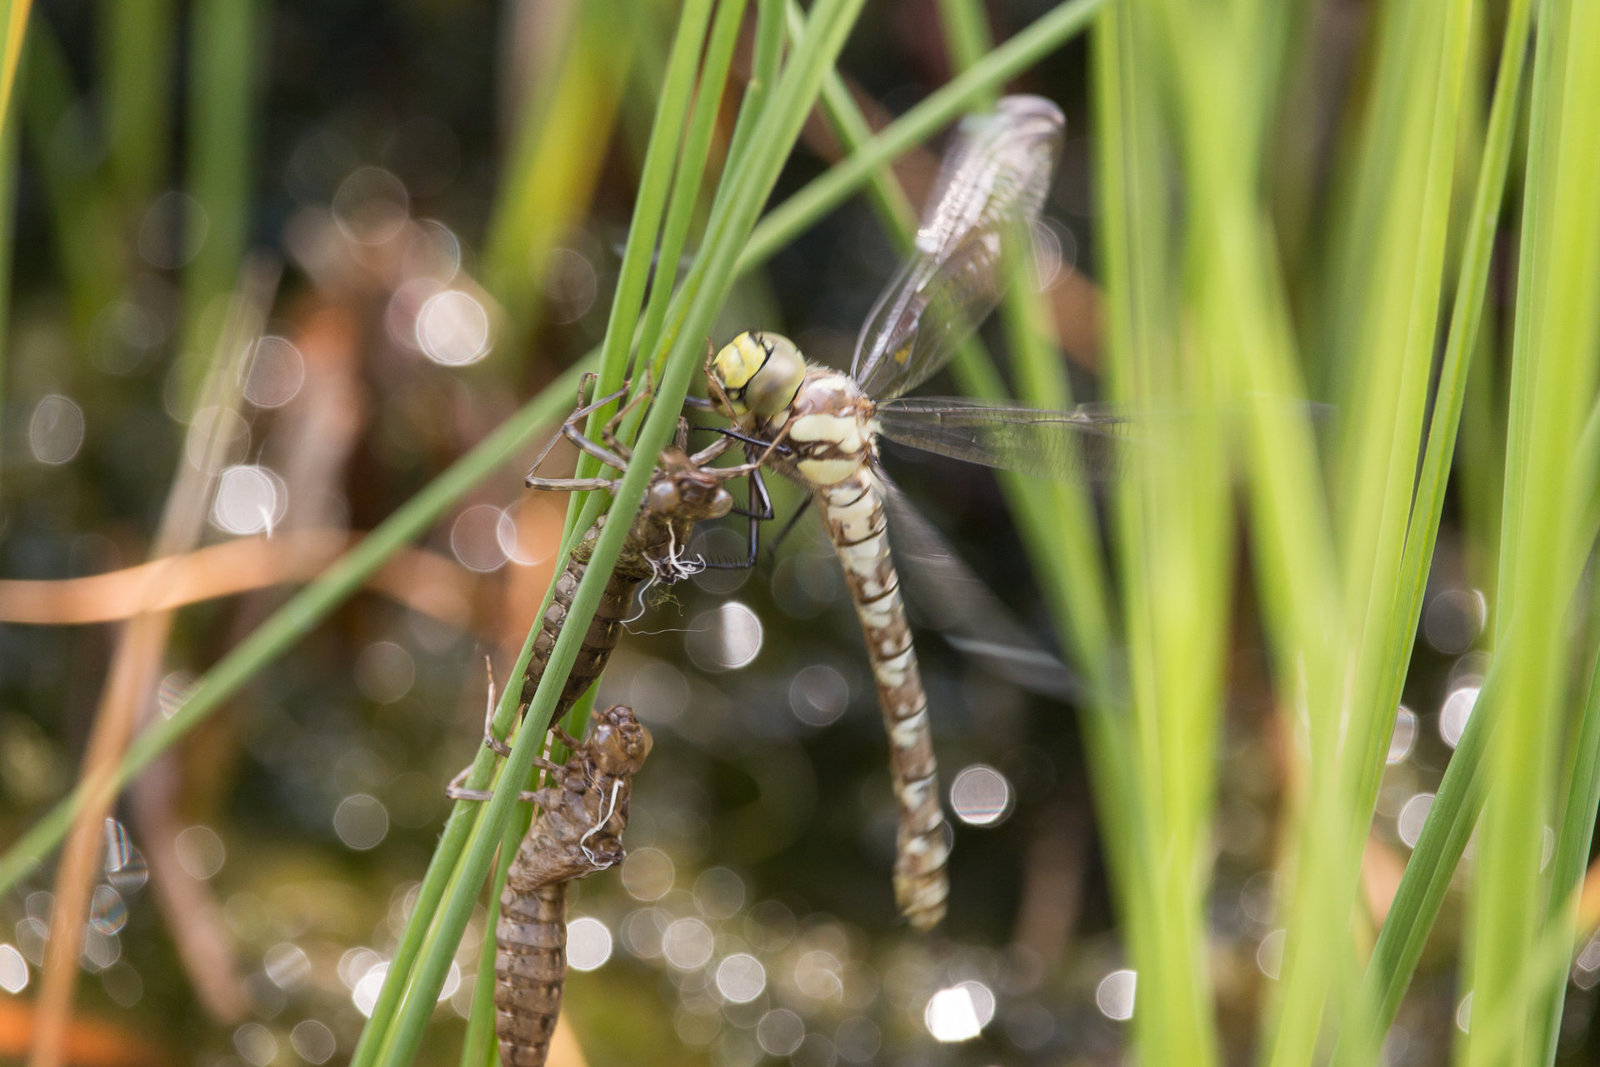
827,471
841,431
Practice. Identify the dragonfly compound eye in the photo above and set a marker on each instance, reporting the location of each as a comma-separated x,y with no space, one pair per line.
663,497
760,372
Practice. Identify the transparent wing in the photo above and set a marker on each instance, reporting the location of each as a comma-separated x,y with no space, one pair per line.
1085,444
990,187
942,592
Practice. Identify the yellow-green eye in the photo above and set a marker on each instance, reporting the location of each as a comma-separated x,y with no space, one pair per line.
759,372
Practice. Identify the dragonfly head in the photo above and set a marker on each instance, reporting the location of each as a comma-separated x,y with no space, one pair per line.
619,741
758,373
687,494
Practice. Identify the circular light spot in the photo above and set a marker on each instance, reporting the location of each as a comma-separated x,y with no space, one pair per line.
276,372
361,821
741,978
980,795
405,304
123,336
122,984
312,1041
815,1051
452,982
475,538
371,206
217,437
365,993
55,431
569,285
524,548
31,937
1464,1014
355,963
1454,619
453,328
1412,816
1114,995
1457,709
960,1012
1269,954
858,1039
1404,736
642,931
1030,1026
588,944
172,231
434,251
819,975
804,586
687,944
659,690
647,874
13,969
287,965
250,499
256,1044
173,691
107,912
119,846
724,639
99,950
384,672
719,893
780,1032
201,853
818,695
697,1029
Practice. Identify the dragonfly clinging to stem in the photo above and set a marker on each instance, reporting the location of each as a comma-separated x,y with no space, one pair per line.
821,427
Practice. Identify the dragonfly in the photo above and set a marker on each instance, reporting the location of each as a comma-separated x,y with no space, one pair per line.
583,809
821,427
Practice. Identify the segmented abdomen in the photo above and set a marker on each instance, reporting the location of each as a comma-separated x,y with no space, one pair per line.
583,810
529,969
853,513
604,629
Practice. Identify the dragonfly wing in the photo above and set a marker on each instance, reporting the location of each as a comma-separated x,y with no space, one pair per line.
1085,444
991,185
945,594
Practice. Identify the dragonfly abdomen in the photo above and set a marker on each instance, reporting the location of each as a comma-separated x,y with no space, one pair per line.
529,969
853,513
604,630
578,831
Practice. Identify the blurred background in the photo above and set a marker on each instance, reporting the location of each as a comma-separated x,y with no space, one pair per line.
315,252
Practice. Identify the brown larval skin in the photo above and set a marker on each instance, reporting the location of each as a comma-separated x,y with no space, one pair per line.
582,814
680,495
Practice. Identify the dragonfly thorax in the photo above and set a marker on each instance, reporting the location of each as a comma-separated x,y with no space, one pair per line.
830,428
758,373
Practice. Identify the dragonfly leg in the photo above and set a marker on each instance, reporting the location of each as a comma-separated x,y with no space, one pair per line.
572,744
568,485
569,428
730,433
456,789
608,432
759,511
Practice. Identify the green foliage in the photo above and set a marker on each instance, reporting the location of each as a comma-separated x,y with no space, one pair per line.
1242,278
